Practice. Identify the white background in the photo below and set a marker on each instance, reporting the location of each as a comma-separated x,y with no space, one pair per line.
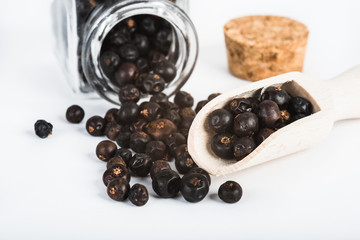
52,188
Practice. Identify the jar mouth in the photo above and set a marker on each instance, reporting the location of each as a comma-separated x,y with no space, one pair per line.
104,19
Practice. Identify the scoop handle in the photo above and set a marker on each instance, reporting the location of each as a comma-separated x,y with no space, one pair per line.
345,90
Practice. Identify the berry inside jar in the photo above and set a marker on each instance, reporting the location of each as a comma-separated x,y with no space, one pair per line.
138,57
245,122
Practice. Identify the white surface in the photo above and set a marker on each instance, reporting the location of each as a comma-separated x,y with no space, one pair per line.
52,188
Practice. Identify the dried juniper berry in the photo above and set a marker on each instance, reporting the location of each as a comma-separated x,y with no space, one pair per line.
297,117
128,52
110,115
172,115
123,138
114,161
152,83
240,105
112,129
254,103
118,189
220,120
142,44
181,149
143,65
125,74
263,134
242,147
156,150
138,126
230,192
128,112
183,99
159,129
284,119
43,128
150,111
163,40
125,154
118,37
129,93
246,124
184,163
154,58
149,25
130,24
159,98
140,164
299,105
169,106
185,132
158,166
201,171
75,114
221,145
138,195
187,112
109,62
138,141
173,140
166,69
194,187
276,94
186,122
200,105
105,150
95,126
213,95
166,183
116,171
269,113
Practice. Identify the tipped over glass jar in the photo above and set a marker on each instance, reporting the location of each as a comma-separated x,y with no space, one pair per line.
137,47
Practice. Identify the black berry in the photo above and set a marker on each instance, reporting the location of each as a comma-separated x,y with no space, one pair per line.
75,114
299,105
105,150
116,171
138,141
114,161
43,128
221,145
129,93
278,95
220,120
128,112
194,187
269,113
95,126
118,189
184,99
242,147
138,195
166,183
125,154
158,166
230,192
140,164
246,124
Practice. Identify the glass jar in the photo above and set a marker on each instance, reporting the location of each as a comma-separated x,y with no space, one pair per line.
81,28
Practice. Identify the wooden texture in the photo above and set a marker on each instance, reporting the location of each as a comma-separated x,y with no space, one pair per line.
332,100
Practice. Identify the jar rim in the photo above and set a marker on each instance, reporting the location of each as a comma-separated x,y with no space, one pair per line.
103,20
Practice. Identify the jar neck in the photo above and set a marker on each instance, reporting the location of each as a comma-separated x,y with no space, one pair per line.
103,19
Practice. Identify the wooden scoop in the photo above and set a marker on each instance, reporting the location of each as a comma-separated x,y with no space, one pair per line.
333,100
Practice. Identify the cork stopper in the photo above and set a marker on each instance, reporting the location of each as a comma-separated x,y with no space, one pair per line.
259,47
